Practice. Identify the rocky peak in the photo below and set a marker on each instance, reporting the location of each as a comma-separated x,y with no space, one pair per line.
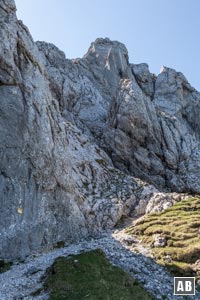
7,10
108,60
106,52
145,79
54,56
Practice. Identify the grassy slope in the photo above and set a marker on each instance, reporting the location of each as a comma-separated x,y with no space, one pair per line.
180,225
91,276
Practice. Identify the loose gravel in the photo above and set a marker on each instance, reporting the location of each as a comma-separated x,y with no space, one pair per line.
24,279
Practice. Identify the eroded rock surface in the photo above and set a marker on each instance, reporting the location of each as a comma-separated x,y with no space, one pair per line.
73,133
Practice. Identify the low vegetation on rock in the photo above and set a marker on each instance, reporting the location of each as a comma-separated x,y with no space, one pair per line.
4,266
174,236
91,276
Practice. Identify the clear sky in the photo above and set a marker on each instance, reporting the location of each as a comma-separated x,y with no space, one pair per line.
158,32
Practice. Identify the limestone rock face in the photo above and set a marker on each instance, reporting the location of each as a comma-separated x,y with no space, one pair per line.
159,241
73,133
55,182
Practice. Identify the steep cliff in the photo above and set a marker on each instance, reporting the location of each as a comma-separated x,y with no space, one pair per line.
74,132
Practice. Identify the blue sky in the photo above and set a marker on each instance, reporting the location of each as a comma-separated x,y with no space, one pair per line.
158,32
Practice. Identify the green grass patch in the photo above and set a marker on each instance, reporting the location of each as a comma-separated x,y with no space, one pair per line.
101,162
4,266
59,245
180,225
91,276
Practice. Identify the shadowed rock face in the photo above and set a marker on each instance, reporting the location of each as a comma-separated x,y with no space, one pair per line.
74,132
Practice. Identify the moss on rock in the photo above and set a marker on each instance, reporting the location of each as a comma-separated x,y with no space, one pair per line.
91,276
